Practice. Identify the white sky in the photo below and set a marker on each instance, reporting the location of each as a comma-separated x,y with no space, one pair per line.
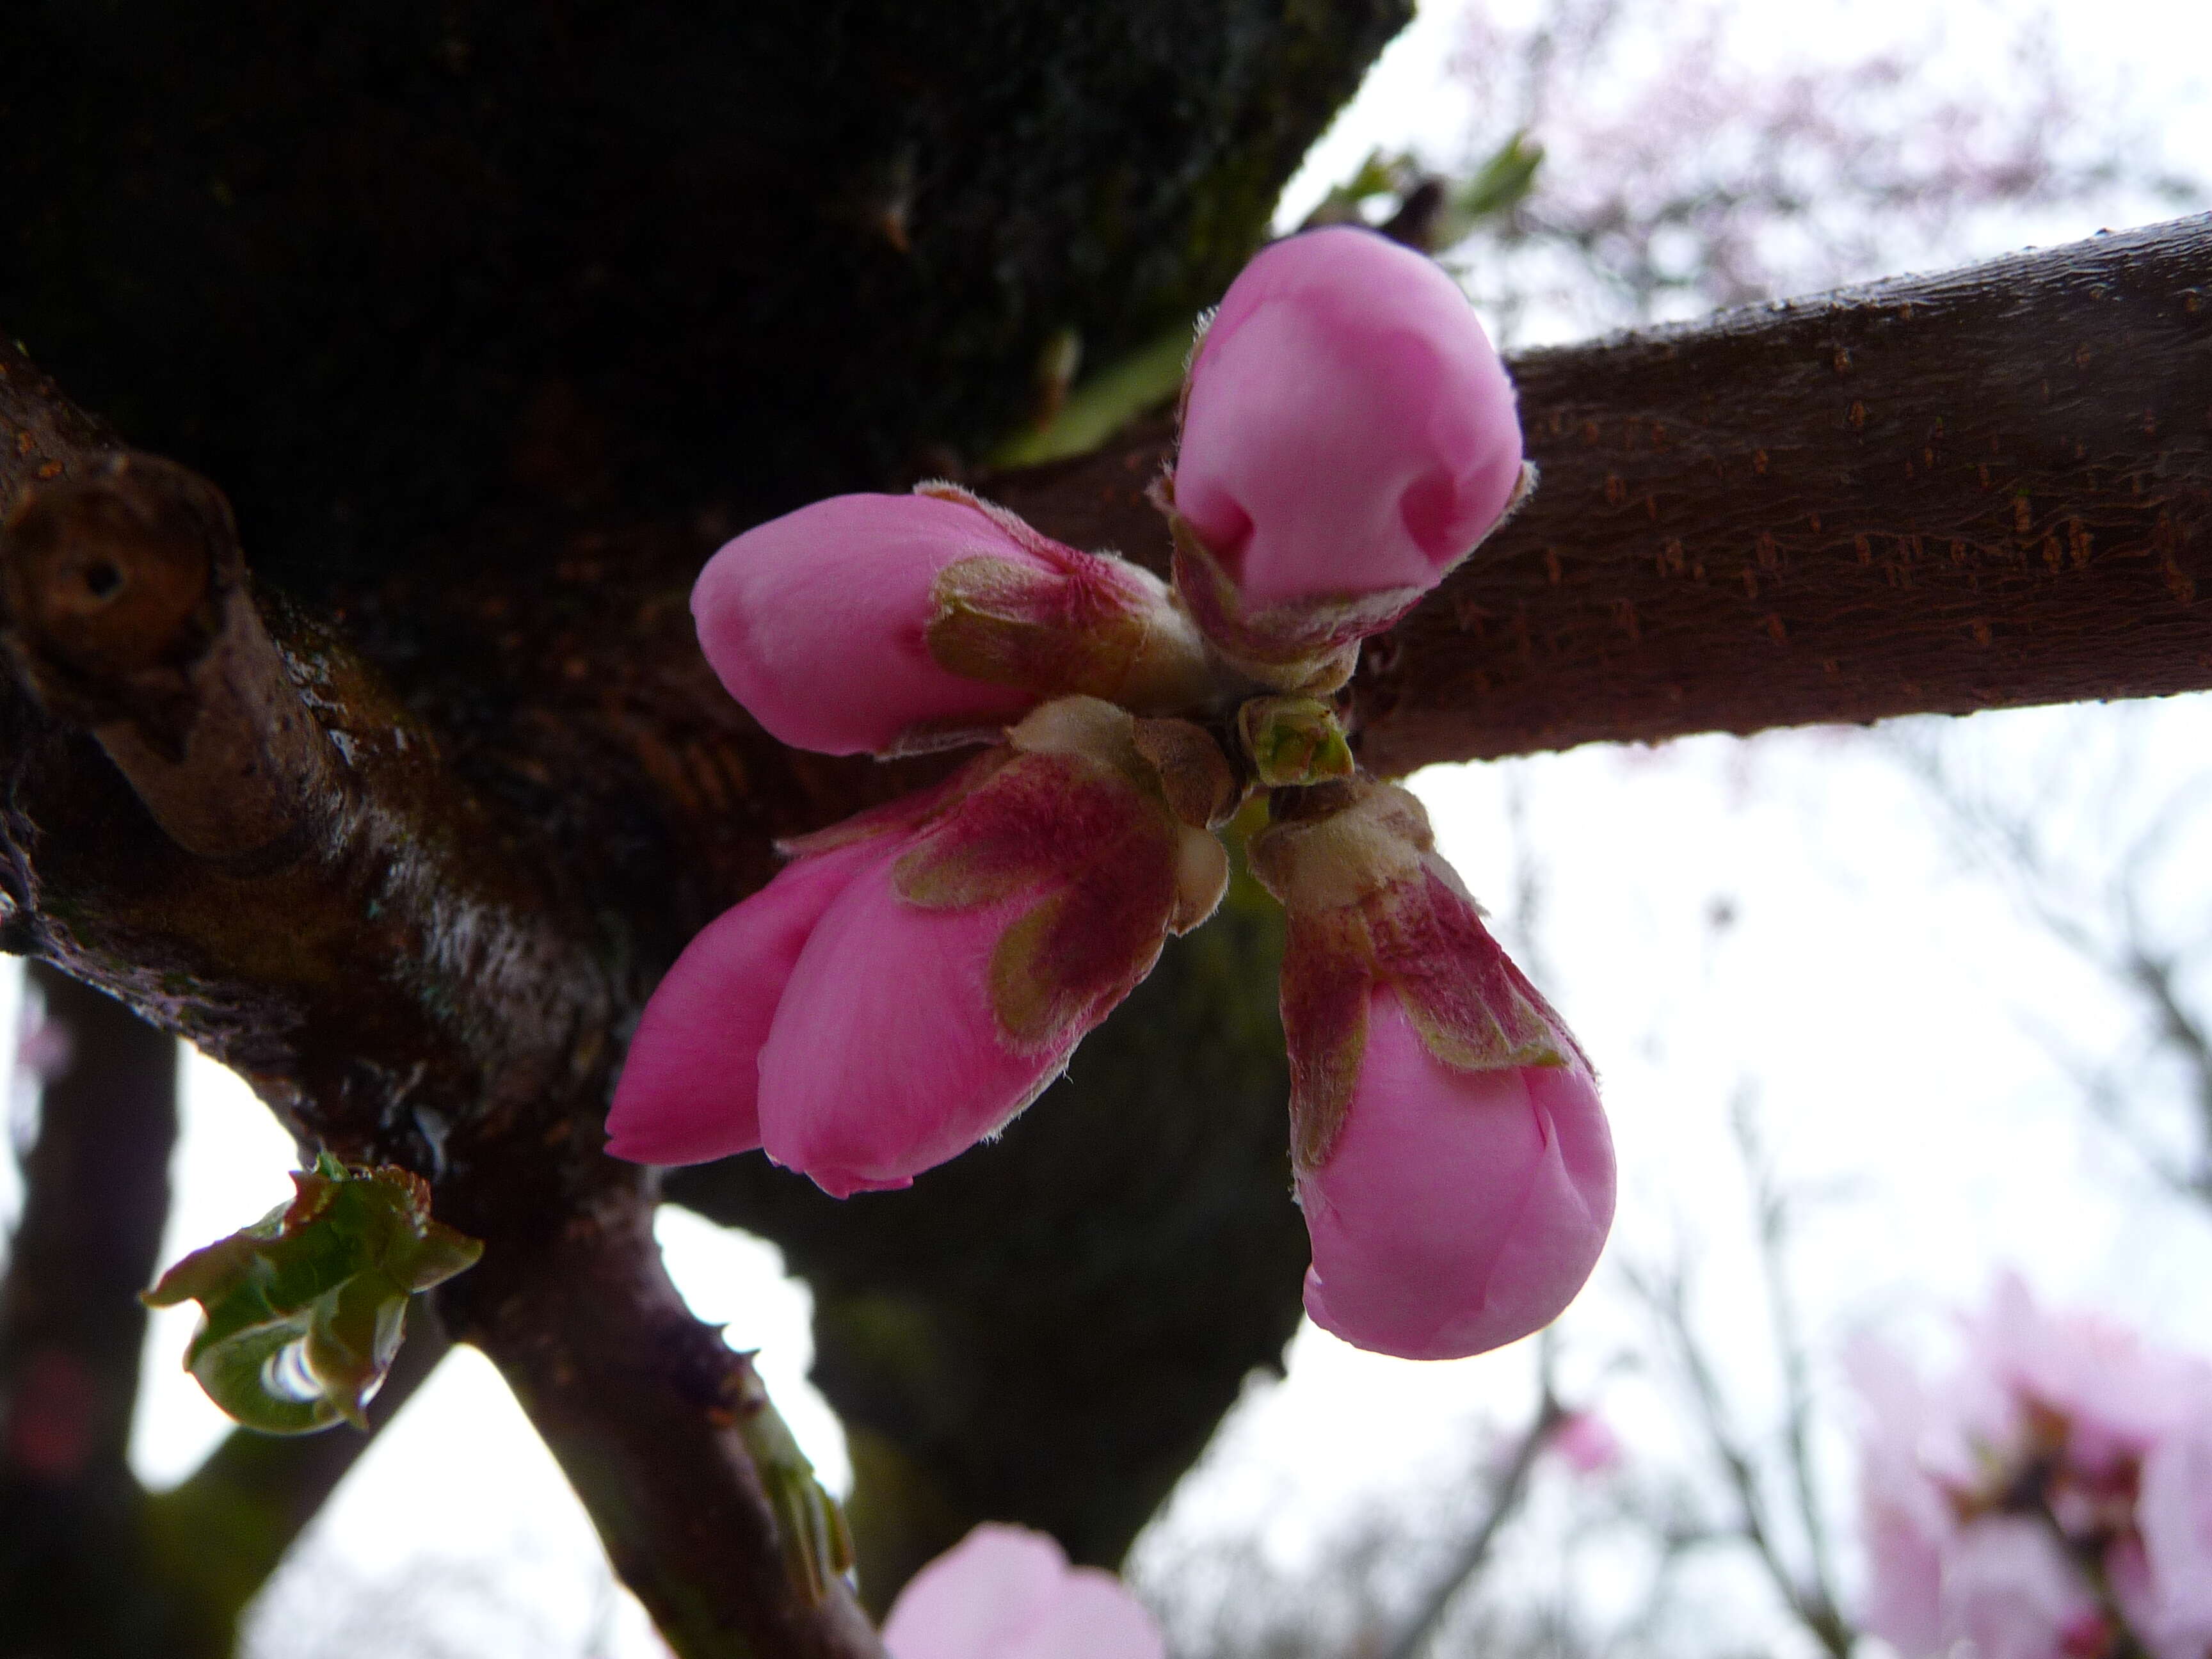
1892,1007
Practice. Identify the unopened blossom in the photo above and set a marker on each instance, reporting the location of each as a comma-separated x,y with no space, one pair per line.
1348,435
917,976
2050,1499
1008,1593
1451,1155
863,624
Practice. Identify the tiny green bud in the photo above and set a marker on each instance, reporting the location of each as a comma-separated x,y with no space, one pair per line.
1294,741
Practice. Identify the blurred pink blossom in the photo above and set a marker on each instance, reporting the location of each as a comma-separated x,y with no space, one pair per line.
2055,1488
1588,1442
1008,1593
43,1047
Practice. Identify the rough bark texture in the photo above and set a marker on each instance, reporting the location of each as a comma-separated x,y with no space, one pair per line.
490,322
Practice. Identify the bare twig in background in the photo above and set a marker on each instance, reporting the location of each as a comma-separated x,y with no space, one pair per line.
1504,1499
1677,176
1805,1588
2101,915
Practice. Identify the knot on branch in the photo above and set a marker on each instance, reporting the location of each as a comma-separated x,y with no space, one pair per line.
126,613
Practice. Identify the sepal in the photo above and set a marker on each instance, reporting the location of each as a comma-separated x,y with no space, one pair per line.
1072,811
303,1312
1370,903
1293,741
1072,623
810,1524
1310,647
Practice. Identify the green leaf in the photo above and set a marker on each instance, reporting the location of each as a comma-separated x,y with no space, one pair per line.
1502,183
1147,379
303,1312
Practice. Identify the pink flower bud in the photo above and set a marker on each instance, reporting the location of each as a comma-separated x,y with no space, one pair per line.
1458,1211
689,1091
1451,1155
1349,434
1008,1593
866,623
919,974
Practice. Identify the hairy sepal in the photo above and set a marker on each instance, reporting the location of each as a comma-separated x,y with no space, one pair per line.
1102,856
1073,623
1310,646
303,1312
1371,904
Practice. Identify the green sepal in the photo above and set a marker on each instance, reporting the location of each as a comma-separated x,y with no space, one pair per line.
810,1524
1294,741
303,1312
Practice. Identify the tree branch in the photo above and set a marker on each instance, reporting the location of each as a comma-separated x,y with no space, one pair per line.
71,1330
1504,1499
278,864
645,1408
1988,488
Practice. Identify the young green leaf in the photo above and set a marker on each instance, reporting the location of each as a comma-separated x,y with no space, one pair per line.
303,1312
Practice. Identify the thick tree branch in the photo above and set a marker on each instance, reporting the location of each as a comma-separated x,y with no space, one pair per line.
1988,488
646,1409
279,864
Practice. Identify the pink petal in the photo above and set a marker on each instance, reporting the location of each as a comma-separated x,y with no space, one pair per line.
689,1088
976,1597
815,620
884,1059
1091,1617
2008,1589
1349,428
2175,1513
1007,1593
1904,1516
1458,1211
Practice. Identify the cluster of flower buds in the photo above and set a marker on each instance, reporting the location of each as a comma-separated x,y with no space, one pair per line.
915,976
2051,1500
